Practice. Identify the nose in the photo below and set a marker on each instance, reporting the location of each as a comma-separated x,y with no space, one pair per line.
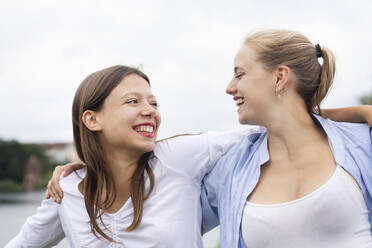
231,87
148,110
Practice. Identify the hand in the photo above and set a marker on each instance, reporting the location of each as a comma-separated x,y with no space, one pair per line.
53,188
369,117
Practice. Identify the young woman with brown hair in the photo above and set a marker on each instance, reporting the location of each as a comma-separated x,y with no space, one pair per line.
132,192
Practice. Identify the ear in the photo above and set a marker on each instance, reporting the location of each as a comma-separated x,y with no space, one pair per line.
282,77
91,120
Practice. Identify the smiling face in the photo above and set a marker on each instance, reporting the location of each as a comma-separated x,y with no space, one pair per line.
129,118
252,86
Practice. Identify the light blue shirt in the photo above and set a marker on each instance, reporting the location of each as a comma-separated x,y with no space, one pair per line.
227,186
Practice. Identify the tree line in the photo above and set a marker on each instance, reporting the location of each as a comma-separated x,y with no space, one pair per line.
366,99
13,158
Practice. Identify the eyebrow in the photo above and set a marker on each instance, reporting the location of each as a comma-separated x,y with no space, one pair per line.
236,68
136,94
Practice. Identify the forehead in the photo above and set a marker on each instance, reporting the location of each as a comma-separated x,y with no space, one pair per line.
132,83
245,57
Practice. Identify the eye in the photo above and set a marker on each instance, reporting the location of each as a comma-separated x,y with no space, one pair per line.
155,104
132,101
239,75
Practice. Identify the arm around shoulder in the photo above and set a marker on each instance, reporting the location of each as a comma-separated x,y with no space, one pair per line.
361,113
221,142
196,155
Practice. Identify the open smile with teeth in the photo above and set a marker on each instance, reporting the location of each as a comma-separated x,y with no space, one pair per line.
239,101
146,129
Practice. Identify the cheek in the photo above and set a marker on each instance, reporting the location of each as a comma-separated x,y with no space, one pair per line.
158,121
119,121
250,92
256,90
128,116
247,87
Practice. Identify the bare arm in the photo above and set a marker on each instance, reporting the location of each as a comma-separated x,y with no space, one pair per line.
362,113
53,188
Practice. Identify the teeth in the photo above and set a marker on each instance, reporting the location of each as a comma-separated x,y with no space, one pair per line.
148,129
239,101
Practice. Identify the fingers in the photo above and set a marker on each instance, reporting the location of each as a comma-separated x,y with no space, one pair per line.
54,183
47,195
53,189
52,193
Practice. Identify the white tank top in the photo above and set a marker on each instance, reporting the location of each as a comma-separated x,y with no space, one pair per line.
334,215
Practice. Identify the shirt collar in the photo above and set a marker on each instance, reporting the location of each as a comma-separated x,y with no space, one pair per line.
334,139
262,149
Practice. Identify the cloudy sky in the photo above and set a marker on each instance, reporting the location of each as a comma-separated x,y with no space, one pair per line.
186,47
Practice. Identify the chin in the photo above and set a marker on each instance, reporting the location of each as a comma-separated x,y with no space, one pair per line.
148,147
246,120
243,119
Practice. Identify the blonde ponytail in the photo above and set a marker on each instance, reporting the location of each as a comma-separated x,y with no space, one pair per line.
326,77
293,49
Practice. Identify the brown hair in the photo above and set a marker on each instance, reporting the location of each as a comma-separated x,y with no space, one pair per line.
293,49
91,95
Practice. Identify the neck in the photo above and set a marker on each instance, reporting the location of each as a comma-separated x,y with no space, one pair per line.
291,132
122,165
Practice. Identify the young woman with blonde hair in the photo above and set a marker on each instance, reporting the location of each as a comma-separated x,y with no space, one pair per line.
304,182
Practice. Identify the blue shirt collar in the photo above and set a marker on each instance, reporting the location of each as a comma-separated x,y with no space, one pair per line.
334,140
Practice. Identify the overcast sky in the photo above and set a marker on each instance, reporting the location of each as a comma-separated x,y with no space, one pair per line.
186,47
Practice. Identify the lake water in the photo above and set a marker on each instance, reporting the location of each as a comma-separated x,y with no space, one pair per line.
16,207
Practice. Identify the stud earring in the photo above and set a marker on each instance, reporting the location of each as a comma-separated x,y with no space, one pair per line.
278,91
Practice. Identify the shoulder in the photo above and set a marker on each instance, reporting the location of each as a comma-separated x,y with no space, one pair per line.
184,154
211,143
250,142
236,135
242,152
180,140
180,145
357,134
70,182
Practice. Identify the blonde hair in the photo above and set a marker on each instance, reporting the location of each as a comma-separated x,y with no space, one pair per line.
293,49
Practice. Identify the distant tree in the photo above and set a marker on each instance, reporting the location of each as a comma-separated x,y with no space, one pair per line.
13,157
39,152
366,99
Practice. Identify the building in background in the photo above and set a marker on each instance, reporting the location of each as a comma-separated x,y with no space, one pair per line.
60,153
32,173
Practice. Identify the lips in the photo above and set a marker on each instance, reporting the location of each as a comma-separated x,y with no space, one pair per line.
239,100
145,129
